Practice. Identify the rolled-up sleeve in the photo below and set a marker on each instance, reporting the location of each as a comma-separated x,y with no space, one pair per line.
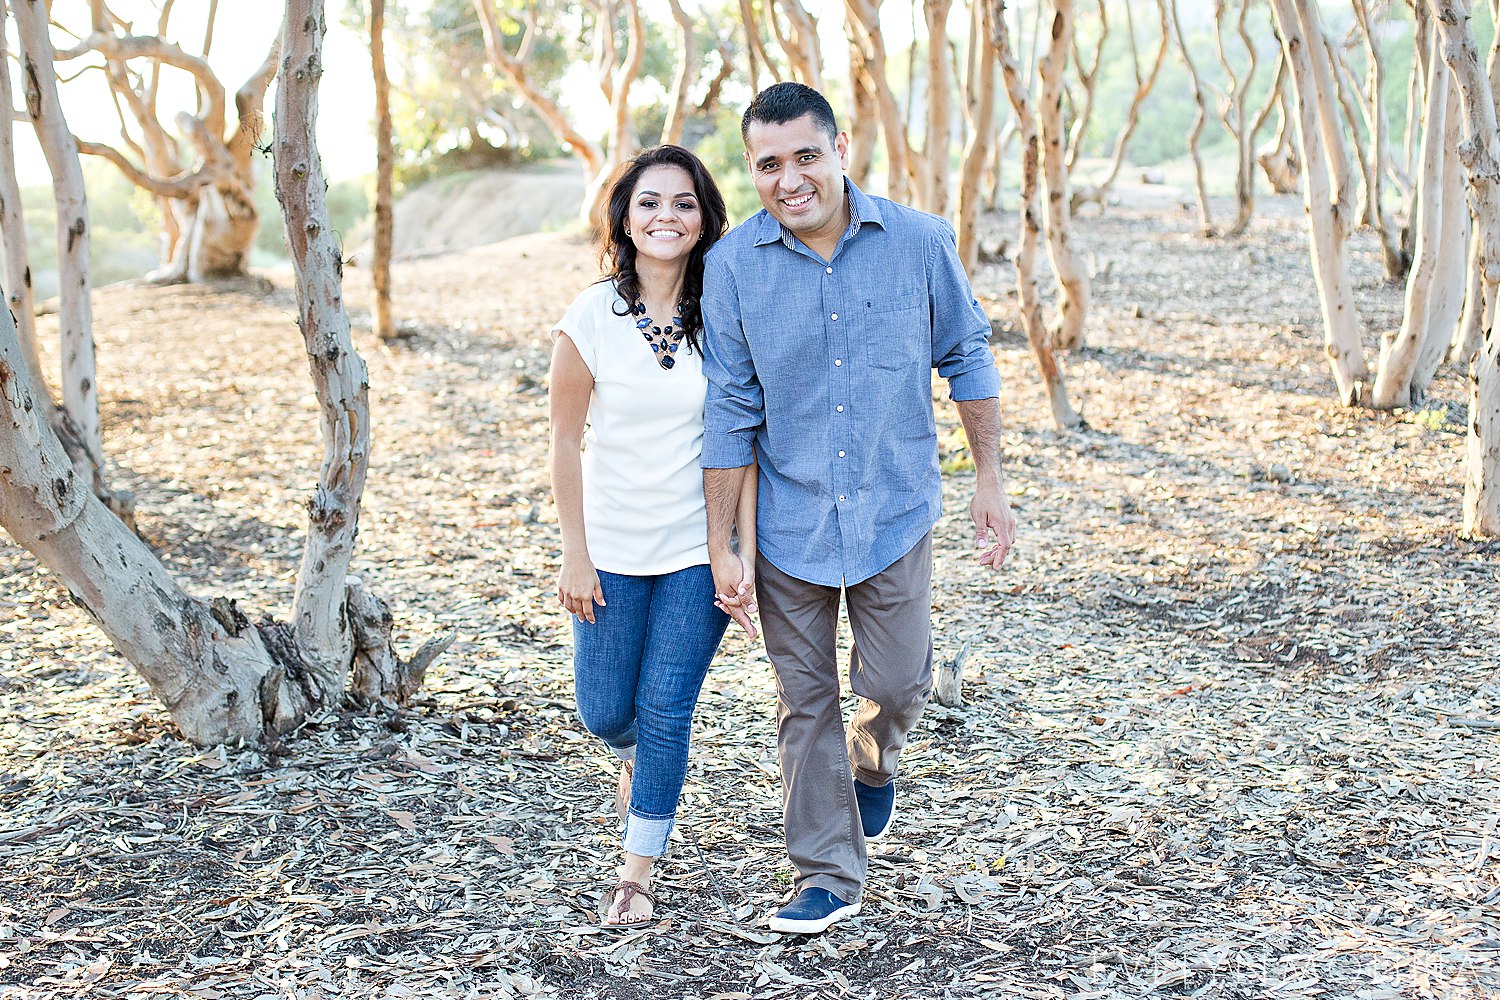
734,410
960,329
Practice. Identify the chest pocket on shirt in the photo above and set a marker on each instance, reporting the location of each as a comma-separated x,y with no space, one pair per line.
897,334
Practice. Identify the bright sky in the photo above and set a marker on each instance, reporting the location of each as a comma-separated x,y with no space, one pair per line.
242,36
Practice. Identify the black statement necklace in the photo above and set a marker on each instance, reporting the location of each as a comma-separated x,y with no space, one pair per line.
664,341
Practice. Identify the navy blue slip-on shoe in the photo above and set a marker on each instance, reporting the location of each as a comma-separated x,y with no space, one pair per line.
813,911
877,808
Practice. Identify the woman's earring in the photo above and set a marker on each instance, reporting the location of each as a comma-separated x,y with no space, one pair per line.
627,230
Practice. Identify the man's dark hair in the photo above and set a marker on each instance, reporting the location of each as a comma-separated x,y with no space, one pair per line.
784,102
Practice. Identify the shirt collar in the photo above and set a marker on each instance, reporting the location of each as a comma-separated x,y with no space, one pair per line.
862,209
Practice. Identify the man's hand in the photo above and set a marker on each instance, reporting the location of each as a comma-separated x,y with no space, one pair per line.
994,525
734,587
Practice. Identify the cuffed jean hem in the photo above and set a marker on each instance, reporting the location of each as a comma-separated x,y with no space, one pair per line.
624,753
849,892
646,836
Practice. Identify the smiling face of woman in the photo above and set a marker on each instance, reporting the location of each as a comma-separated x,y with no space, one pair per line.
665,218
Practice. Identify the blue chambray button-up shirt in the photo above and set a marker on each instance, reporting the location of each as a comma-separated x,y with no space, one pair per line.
822,370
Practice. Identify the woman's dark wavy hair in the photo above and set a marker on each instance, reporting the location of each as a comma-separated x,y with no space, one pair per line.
617,257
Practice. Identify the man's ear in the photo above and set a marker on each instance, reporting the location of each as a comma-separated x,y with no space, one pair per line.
841,146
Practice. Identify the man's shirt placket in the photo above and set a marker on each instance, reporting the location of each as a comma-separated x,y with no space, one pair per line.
842,390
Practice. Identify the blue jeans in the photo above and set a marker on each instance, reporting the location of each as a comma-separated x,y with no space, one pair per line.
637,671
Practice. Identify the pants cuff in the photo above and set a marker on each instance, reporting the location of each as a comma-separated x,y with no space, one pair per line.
845,889
647,837
624,753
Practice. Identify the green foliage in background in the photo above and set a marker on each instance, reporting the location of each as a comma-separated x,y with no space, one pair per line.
122,229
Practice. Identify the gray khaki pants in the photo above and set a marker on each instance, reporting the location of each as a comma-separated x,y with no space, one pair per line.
890,670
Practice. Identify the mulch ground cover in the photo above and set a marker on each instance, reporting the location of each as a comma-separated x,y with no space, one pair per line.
1230,724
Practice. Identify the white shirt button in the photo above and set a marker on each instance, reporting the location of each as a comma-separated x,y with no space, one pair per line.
835,315
841,498
841,407
830,270
841,454
837,362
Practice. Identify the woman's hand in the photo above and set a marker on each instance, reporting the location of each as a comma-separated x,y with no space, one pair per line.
578,588
741,604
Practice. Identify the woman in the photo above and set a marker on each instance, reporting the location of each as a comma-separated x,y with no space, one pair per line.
627,363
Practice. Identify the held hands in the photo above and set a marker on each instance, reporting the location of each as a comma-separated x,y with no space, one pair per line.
994,525
734,588
578,588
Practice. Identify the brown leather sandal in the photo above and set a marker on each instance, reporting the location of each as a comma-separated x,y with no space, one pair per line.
622,789
623,893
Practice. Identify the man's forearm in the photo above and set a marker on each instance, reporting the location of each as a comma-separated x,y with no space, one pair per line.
981,420
721,495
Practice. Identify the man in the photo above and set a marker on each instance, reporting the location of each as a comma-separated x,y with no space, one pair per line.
825,315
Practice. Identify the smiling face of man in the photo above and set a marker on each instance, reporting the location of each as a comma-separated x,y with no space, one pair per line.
798,170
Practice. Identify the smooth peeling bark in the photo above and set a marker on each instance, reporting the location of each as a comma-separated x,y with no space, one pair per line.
862,19
1381,162
1480,155
1072,280
19,297
338,372
682,77
336,624
864,113
1327,218
206,663
1063,414
939,105
977,152
79,380
1434,295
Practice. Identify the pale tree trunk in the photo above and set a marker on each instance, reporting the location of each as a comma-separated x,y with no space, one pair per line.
622,75
798,41
1480,155
864,112
1279,159
79,381
223,678
1393,260
385,162
1434,294
1027,297
1478,303
1200,98
755,45
682,80
1088,78
19,297
1234,114
1072,280
1469,332
862,20
514,70
939,105
1416,97
1329,210
1099,193
981,138
211,220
